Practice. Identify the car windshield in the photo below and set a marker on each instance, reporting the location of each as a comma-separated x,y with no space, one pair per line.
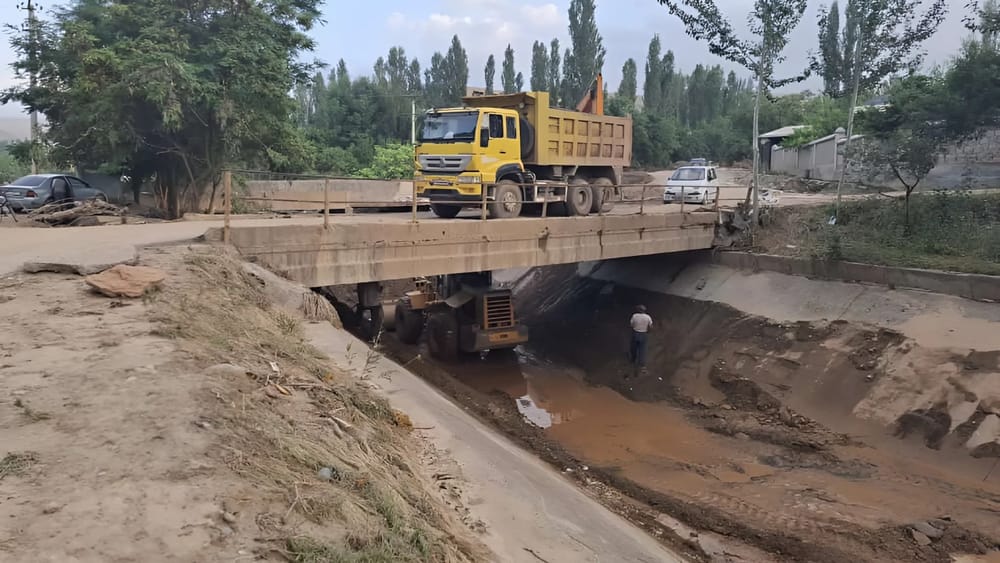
689,174
450,127
29,181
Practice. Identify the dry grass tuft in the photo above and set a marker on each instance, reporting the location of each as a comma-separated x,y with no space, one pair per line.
333,451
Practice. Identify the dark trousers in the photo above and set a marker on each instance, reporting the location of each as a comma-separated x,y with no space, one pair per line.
637,350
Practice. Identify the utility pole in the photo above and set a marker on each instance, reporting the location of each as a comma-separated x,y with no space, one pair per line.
413,121
33,55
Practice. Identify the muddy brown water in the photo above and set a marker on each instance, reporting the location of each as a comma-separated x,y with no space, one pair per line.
745,426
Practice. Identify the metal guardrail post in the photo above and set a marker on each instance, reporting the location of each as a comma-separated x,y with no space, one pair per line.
545,206
414,208
326,203
482,189
682,199
227,191
642,202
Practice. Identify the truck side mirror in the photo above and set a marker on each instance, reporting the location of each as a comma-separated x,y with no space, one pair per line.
484,137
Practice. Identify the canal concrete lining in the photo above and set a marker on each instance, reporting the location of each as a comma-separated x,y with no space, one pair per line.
370,250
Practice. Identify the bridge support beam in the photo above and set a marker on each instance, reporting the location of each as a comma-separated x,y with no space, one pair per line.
362,249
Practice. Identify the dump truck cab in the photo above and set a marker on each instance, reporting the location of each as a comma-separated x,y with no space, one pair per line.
463,149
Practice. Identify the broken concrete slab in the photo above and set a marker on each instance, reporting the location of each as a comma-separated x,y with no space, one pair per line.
988,431
126,281
78,268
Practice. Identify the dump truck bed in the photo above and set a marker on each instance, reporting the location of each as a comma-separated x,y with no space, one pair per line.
566,137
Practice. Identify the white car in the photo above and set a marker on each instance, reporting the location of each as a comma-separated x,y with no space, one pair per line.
692,184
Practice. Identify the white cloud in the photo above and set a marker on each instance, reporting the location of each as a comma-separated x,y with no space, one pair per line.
485,27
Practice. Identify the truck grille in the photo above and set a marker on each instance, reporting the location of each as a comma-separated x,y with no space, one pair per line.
499,312
444,163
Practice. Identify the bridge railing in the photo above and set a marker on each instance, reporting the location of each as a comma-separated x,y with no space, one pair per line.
630,198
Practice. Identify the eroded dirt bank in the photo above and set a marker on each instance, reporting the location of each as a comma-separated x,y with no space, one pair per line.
813,441
197,424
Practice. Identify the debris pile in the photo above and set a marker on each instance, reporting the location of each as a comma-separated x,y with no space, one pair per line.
63,214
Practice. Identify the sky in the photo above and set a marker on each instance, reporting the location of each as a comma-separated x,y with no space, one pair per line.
362,32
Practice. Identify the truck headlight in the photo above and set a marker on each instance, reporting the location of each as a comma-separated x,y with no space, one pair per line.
473,179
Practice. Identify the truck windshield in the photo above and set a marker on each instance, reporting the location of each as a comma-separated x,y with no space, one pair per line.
450,127
689,174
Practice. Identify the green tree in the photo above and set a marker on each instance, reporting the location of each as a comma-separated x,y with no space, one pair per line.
585,60
491,73
907,137
629,86
652,90
830,65
554,81
539,67
509,74
391,162
888,38
519,82
984,18
446,81
771,21
167,90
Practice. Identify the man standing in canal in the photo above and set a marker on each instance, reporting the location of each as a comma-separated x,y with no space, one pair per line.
640,321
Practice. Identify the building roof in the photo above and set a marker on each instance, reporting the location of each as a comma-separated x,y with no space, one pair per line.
781,133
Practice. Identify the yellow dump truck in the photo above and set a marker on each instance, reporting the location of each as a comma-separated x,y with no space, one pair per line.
524,154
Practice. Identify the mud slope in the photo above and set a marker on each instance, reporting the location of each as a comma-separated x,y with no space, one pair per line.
839,426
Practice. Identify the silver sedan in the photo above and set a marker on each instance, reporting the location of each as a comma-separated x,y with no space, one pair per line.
31,192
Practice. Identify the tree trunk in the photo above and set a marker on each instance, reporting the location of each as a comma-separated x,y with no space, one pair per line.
211,199
755,181
906,212
135,184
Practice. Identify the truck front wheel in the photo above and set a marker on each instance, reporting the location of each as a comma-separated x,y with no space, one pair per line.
409,322
446,211
507,201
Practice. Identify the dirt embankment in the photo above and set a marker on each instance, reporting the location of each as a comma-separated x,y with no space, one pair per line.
196,424
816,404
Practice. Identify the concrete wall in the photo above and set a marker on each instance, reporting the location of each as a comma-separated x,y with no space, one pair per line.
974,163
970,286
307,195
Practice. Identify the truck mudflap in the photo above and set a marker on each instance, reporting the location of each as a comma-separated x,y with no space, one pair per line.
477,340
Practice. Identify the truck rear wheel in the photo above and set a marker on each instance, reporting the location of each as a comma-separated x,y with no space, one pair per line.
603,194
507,200
442,335
579,198
445,210
409,323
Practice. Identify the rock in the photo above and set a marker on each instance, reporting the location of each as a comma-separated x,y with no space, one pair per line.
926,529
326,473
228,517
126,281
920,538
51,508
741,436
988,431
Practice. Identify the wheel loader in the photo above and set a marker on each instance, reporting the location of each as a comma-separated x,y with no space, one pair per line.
461,313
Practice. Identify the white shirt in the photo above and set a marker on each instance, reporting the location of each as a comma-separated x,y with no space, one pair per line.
641,322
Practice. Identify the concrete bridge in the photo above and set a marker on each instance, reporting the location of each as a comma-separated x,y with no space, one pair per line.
368,248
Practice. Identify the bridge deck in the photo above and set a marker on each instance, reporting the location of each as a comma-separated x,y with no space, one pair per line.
363,250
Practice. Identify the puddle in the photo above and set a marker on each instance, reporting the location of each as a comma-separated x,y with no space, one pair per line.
651,443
